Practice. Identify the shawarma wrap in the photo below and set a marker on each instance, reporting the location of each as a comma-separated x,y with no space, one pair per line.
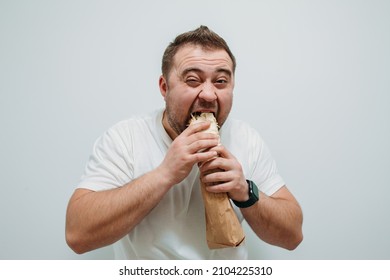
223,228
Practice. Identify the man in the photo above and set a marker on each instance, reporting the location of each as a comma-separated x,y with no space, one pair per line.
141,187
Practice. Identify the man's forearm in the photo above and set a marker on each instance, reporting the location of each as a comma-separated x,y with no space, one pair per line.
96,219
276,220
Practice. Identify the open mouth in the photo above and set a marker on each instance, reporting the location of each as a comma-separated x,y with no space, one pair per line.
203,116
197,114
197,117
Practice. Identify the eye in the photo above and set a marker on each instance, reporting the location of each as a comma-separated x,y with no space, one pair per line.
192,82
221,81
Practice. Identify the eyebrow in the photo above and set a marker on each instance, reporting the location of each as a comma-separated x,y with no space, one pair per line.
224,70
199,71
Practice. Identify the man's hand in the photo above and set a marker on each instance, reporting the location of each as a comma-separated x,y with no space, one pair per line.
190,147
276,219
224,174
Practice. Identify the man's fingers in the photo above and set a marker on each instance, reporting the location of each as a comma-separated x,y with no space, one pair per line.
197,127
203,145
215,163
204,156
222,152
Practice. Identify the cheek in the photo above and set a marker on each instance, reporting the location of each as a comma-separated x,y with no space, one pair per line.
225,105
184,97
180,101
225,101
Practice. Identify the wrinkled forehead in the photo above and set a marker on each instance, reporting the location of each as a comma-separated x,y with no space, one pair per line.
194,56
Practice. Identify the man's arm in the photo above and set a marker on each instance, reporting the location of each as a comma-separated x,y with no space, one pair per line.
276,219
96,219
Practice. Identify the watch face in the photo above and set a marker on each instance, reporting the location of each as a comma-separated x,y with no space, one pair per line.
253,190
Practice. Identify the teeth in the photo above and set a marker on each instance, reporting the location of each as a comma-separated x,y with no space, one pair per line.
197,114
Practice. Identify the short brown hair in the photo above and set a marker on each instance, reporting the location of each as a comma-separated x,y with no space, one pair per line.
201,36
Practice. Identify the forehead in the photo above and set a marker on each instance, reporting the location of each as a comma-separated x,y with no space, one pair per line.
192,56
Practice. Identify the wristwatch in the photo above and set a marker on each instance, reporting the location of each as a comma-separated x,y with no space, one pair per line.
253,192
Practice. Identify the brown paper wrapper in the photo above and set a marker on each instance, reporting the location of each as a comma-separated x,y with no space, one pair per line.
223,229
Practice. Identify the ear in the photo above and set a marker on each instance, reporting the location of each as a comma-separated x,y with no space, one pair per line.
163,85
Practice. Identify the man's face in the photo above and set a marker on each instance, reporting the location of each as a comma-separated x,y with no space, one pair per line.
200,81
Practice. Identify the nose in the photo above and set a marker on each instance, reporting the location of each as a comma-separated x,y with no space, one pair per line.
207,92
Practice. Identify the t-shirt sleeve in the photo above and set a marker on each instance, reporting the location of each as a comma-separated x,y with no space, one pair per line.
111,162
264,171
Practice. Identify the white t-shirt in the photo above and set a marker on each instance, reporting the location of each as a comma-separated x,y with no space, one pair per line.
175,228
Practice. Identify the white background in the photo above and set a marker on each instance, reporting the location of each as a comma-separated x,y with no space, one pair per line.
312,77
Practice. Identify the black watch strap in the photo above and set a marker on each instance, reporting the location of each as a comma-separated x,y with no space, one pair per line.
253,192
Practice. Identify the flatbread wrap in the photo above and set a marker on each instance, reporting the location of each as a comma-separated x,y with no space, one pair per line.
223,228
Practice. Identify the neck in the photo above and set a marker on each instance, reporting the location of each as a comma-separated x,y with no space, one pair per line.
167,127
